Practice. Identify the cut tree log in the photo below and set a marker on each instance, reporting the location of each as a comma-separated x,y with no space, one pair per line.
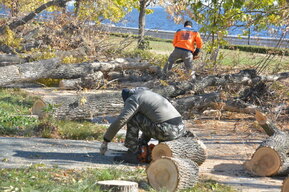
184,148
172,174
72,106
285,185
28,71
269,127
117,186
271,157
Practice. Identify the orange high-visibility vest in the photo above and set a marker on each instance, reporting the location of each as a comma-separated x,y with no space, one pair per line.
186,38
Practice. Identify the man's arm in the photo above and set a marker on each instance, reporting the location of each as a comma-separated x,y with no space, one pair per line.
131,107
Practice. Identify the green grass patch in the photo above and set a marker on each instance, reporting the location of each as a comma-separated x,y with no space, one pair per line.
14,112
39,178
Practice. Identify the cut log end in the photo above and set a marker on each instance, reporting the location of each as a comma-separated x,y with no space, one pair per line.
172,174
285,185
37,108
161,150
265,162
118,186
163,174
260,117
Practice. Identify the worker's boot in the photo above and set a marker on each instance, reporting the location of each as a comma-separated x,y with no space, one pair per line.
128,157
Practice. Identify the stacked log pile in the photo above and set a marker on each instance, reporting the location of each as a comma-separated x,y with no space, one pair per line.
175,164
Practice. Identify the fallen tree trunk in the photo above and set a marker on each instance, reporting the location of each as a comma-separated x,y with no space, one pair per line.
10,60
79,106
28,71
53,69
244,77
183,148
91,81
117,186
172,174
100,103
271,157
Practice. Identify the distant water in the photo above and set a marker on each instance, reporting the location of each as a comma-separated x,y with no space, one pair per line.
161,20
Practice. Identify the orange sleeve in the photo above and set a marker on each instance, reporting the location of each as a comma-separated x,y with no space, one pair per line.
199,41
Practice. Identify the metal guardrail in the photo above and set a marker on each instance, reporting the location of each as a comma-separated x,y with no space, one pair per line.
232,39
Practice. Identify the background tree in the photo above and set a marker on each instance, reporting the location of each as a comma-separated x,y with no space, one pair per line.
216,17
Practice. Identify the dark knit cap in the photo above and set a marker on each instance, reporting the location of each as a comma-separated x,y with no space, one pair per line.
125,93
188,23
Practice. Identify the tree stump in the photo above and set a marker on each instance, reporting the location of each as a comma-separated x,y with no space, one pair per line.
184,147
118,186
285,185
172,174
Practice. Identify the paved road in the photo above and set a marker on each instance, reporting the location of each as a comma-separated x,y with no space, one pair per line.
24,152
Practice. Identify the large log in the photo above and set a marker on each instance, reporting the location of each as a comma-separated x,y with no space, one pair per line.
53,69
117,186
271,157
28,71
172,174
184,148
70,105
79,106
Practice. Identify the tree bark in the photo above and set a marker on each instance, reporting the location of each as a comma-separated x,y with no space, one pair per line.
141,25
6,60
183,148
53,69
100,103
244,77
28,71
172,174
269,127
79,106
117,186
271,157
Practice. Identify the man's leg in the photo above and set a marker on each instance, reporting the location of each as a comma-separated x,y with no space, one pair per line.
135,124
188,61
171,60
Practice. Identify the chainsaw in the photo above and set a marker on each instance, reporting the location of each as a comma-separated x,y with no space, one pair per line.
145,153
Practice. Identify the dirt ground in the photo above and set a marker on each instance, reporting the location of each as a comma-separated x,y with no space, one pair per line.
231,142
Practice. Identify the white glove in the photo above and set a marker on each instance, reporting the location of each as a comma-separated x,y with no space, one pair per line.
103,147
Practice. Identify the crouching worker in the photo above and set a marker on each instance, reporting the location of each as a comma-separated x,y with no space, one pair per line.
148,112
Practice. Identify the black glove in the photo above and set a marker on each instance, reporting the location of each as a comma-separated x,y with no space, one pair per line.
196,52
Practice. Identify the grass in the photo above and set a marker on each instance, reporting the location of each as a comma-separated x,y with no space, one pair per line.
15,120
39,178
